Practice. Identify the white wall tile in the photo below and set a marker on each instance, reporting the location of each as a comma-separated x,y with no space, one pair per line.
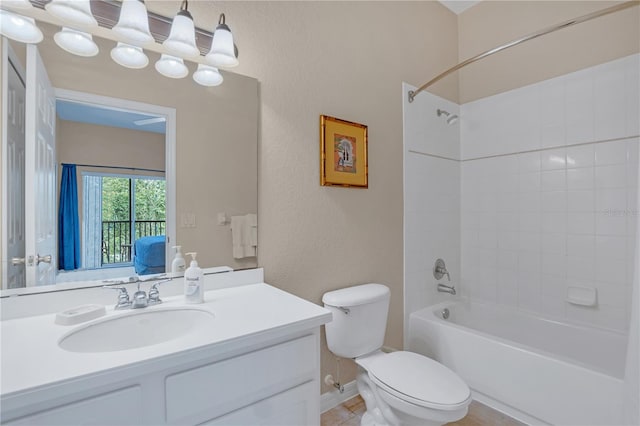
553,222
611,153
581,223
609,246
553,159
581,178
611,176
580,156
554,180
529,162
581,200
632,83
535,222
554,201
609,100
581,267
610,201
555,265
611,223
579,107
581,245
507,287
555,244
611,271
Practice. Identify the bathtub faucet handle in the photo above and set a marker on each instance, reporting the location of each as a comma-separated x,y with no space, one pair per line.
440,270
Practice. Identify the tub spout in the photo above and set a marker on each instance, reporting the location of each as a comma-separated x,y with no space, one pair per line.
442,288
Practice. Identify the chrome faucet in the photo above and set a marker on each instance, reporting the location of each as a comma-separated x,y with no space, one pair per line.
439,271
140,298
442,288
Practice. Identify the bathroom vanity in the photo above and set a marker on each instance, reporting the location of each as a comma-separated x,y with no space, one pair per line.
251,355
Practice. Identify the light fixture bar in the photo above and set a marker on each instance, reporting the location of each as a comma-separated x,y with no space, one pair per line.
107,12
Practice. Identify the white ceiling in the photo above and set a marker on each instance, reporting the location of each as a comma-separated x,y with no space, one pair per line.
459,6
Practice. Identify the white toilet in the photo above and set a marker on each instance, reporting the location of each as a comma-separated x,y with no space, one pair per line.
399,388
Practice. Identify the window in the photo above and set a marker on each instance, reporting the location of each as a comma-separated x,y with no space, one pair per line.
117,210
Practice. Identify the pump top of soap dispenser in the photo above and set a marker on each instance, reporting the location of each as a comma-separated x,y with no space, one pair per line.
193,258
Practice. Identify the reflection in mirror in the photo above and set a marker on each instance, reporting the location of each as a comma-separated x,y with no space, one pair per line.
128,205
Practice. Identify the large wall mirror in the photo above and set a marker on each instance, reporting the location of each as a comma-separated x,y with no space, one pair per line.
158,162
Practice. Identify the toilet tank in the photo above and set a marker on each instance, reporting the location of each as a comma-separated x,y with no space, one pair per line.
359,319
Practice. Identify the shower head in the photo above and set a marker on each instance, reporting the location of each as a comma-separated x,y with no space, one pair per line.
451,118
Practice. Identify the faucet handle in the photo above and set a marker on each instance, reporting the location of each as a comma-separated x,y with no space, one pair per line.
440,270
154,293
123,296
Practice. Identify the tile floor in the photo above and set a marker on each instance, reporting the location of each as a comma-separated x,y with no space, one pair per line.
350,413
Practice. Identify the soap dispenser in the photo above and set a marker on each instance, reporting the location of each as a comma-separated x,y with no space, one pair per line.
178,264
193,282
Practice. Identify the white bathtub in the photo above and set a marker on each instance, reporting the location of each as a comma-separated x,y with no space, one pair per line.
537,370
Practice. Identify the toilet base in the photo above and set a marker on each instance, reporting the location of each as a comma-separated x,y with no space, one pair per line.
384,409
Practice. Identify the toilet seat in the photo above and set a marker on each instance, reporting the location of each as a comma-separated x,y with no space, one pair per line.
419,380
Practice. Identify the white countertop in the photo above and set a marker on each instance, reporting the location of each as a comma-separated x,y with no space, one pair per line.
31,357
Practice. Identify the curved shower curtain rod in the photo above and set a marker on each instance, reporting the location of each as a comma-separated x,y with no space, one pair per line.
548,30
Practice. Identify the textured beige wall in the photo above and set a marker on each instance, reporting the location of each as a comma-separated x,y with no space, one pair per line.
334,58
492,23
82,143
217,130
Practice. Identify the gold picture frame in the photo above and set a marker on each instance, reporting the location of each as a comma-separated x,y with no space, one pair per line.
343,153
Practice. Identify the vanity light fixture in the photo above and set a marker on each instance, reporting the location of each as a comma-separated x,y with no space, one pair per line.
19,28
72,12
133,23
171,66
223,52
207,75
129,56
182,37
76,42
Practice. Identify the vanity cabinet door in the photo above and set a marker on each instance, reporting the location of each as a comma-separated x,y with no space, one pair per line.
215,389
119,407
293,407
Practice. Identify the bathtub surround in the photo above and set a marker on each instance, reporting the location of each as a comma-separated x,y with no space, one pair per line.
549,183
432,199
548,189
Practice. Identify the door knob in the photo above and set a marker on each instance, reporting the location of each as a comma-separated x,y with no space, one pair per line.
17,261
45,259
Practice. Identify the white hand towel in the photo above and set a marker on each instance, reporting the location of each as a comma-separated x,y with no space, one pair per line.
244,236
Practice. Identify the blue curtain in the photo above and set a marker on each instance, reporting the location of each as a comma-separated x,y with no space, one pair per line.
68,221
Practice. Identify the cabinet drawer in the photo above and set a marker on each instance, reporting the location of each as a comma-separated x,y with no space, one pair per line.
294,407
212,390
119,407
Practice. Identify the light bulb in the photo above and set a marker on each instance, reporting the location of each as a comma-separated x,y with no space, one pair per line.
76,42
171,67
129,56
19,28
206,75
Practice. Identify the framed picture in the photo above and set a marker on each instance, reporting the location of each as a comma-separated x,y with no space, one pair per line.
343,153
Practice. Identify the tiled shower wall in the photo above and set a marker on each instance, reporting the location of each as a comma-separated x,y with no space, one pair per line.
549,183
431,199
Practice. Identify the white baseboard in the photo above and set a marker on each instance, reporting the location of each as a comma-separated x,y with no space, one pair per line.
334,398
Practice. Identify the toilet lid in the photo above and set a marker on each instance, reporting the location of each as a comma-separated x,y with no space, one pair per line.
420,380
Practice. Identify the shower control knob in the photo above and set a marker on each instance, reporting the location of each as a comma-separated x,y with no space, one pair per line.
440,270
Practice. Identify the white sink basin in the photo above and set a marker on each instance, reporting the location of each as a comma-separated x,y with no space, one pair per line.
137,328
